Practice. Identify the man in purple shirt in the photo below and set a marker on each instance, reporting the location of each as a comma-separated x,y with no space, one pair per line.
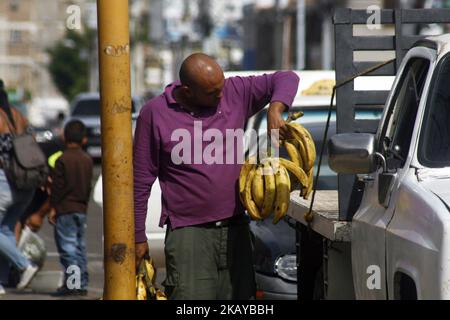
183,138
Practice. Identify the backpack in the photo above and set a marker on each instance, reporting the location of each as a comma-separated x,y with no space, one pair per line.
27,168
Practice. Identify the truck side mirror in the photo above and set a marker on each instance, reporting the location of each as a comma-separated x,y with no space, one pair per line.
352,153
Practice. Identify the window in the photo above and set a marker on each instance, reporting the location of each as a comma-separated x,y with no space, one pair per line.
434,143
399,125
14,5
15,36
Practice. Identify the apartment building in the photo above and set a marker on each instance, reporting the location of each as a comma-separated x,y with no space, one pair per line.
27,29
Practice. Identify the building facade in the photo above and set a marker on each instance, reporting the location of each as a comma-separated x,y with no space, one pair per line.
27,29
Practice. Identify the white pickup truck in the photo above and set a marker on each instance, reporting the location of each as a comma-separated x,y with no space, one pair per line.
397,245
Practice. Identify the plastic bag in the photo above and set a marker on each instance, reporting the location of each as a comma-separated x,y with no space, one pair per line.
32,246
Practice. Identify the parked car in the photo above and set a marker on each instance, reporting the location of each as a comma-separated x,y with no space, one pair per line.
86,107
44,111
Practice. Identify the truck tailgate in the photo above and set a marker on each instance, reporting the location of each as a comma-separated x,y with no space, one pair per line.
325,212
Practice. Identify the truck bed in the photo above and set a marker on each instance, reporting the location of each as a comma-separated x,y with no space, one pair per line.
325,212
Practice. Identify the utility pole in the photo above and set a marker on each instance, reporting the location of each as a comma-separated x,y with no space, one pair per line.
278,33
115,91
301,42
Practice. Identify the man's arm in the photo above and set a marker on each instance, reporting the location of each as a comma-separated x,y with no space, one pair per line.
278,89
145,166
145,172
275,120
257,91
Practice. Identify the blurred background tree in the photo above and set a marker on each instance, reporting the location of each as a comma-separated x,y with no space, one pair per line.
69,62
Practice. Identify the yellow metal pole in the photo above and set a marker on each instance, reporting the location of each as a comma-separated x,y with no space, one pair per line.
118,223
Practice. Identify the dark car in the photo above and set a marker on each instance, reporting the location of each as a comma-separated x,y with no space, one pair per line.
86,107
275,245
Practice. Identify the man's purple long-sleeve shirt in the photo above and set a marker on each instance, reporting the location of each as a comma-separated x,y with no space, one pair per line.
195,193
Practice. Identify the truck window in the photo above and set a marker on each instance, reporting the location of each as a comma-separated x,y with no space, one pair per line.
399,124
434,143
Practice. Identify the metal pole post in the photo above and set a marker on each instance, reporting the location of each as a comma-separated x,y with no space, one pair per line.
278,37
327,42
114,58
301,25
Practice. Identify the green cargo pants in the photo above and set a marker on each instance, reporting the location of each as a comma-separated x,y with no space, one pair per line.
210,261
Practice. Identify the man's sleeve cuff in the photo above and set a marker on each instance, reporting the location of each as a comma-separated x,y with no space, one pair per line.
140,237
286,100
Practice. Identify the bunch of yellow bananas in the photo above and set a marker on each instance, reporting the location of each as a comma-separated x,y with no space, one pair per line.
265,187
145,282
302,151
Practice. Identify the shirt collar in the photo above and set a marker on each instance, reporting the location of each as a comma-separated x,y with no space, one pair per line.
168,92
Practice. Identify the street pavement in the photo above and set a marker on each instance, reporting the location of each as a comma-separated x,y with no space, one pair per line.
50,276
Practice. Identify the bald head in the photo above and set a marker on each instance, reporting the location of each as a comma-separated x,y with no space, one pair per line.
199,69
202,80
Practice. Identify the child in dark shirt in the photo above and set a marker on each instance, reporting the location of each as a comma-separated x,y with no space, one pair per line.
69,198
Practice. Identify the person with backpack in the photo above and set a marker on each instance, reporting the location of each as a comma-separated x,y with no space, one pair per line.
13,201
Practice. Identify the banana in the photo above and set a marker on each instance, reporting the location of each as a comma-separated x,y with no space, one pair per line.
303,129
160,295
300,149
299,142
141,292
248,165
302,135
293,153
310,184
269,190
294,116
249,204
283,192
149,272
152,292
298,172
258,187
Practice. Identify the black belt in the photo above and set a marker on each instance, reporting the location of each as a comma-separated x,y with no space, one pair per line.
234,220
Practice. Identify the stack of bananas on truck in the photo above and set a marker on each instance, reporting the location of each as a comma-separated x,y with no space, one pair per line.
265,187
